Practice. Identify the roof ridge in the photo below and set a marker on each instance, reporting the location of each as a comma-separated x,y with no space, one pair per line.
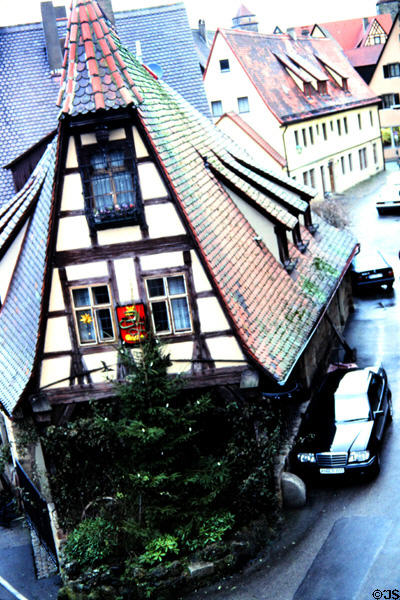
94,75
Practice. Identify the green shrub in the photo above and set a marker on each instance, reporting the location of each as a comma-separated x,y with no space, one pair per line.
92,542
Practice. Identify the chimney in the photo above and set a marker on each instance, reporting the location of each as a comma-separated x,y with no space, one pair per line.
202,30
106,7
53,48
365,23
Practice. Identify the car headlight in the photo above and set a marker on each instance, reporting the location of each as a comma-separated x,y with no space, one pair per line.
360,456
305,457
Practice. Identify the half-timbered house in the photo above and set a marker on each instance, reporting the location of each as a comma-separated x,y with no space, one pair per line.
141,214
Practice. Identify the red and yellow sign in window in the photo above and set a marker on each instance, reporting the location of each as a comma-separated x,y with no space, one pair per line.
132,323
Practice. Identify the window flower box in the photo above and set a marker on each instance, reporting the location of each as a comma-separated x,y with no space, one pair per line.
116,216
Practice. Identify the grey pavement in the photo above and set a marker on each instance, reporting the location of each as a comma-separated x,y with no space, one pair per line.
17,565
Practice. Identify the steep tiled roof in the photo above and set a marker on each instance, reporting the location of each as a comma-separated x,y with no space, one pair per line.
273,313
243,12
255,136
94,76
166,39
28,92
21,311
259,55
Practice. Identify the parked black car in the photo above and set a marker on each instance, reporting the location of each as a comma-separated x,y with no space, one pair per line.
371,270
344,424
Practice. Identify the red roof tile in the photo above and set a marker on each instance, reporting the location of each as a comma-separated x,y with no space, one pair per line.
94,75
350,32
259,56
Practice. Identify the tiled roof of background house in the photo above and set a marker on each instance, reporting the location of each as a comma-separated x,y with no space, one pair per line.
259,55
21,312
349,33
28,92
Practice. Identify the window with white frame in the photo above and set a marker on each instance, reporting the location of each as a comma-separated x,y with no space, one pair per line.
216,108
169,304
243,104
92,307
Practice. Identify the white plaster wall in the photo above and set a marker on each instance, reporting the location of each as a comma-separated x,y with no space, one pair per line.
163,220
323,151
179,350
247,143
56,296
54,369
73,233
201,281
57,335
230,86
126,280
212,317
162,261
87,270
140,148
225,348
151,184
390,54
72,158
262,226
95,360
72,194
8,262
119,235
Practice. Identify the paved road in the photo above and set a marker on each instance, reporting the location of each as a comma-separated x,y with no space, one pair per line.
345,544
16,566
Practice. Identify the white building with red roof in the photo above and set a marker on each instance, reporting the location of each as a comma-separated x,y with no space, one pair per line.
303,97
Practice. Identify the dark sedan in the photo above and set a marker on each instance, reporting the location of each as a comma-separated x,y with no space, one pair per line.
370,270
344,425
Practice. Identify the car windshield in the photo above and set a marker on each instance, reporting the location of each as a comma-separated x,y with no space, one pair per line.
353,407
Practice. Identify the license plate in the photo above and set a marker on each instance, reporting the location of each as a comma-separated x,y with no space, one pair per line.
333,471
375,276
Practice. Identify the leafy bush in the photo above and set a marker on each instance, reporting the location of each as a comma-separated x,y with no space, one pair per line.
92,542
158,549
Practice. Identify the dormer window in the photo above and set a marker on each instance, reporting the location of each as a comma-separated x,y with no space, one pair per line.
110,183
322,87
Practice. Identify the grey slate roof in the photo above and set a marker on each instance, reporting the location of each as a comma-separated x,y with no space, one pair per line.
20,315
28,92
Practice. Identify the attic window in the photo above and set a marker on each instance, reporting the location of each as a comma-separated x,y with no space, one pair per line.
110,184
322,87
224,65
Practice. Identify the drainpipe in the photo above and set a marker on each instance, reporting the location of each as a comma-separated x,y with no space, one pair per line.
284,147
